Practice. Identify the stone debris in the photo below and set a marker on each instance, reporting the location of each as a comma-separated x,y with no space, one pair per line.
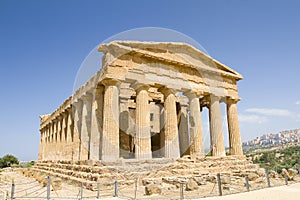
191,185
253,176
153,189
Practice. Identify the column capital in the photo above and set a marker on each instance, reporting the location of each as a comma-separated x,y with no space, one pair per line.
193,94
139,86
110,81
87,96
64,113
214,97
232,100
77,102
166,91
59,117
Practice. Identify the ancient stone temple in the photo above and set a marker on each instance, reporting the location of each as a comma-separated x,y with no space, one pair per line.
145,102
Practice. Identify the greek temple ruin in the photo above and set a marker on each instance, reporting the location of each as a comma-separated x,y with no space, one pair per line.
145,102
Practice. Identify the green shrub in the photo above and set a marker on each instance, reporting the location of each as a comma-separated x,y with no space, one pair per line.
8,160
30,164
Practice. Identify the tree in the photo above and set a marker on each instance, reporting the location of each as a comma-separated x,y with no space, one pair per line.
8,160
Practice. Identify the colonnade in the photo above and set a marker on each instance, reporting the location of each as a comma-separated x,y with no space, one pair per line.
88,129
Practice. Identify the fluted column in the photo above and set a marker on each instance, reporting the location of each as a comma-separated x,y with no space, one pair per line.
54,140
54,131
42,144
110,137
77,109
85,127
40,154
45,143
196,133
97,118
63,136
58,146
70,134
48,142
216,132
235,143
143,135
171,147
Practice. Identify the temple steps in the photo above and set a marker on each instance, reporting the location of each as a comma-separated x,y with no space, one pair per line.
127,170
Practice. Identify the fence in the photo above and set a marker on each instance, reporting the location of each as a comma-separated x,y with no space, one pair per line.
181,188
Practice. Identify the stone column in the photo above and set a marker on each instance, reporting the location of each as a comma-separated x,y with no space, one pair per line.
216,132
48,143
77,109
40,154
171,147
58,147
196,133
54,131
63,136
143,135
235,143
54,140
184,139
70,134
97,118
50,132
85,127
110,137
43,140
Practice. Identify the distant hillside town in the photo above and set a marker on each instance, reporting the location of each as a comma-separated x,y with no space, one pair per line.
283,137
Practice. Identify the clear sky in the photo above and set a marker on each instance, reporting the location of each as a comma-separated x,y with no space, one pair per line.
43,43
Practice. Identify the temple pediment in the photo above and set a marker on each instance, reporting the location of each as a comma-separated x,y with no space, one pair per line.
174,53
178,65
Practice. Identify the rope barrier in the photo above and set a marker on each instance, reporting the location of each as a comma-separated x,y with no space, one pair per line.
27,183
42,192
26,189
30,193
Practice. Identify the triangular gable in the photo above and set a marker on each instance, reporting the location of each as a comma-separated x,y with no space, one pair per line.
173,52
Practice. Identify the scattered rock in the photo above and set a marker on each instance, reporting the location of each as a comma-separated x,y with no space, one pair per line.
152,189
56,184
226,188
261,172
199,180
261,180
284,171
173,180
191,185
225,180
252,176
148,181
211,179
292,172
273,174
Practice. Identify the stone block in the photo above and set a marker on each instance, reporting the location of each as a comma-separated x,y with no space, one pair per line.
153,189
191,185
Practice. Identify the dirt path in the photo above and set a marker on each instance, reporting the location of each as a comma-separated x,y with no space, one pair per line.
290,192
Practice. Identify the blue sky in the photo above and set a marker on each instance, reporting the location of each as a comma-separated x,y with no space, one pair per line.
43,43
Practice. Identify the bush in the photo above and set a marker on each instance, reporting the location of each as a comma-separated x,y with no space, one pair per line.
29,164
8,160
